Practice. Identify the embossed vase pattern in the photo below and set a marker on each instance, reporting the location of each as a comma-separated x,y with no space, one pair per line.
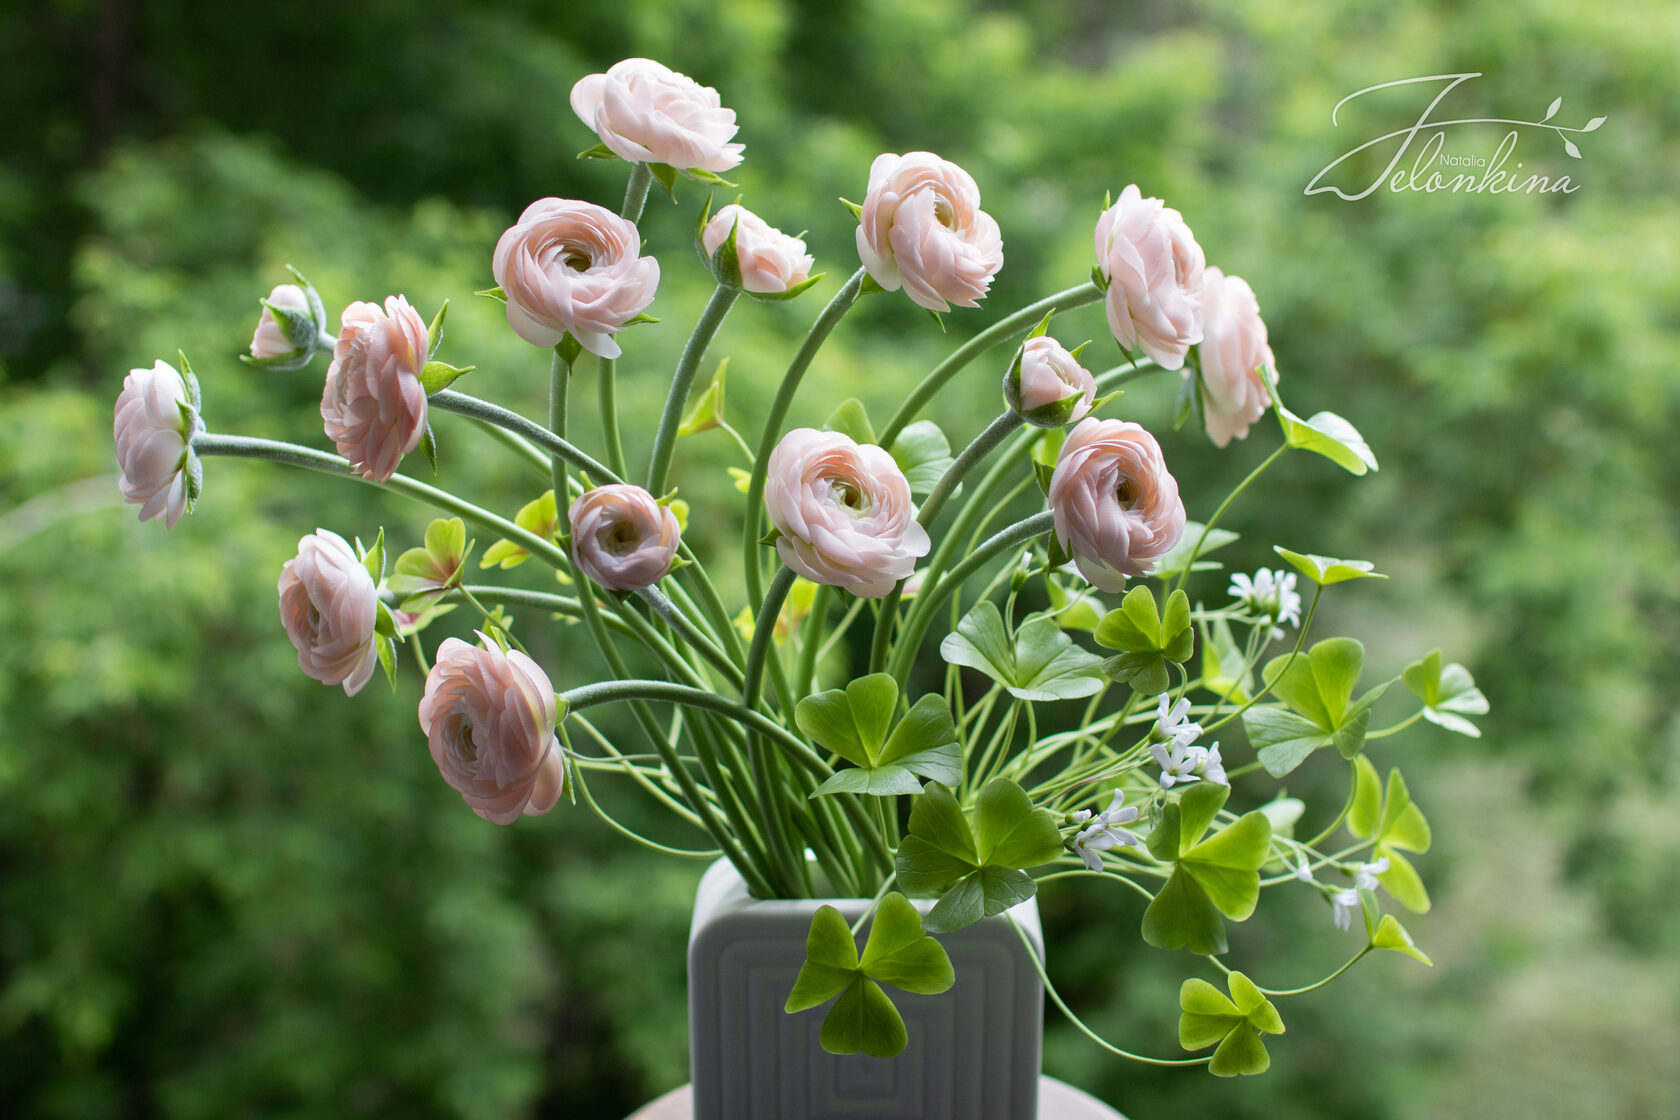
974,1052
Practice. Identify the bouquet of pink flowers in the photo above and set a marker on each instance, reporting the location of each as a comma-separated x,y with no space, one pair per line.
814,783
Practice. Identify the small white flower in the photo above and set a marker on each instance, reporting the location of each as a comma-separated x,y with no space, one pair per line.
1181,765
1269,594
1172,724
1104,832
1212,768
1365,875
1302,870
1343,906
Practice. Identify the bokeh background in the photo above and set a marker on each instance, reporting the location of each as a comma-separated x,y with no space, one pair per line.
228,892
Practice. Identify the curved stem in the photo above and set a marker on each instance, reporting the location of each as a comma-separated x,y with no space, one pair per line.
632,834
1301,991
553,443
665,438
1220,512
916,624
607,390
295,455
814,338
636,192
764,631
1055,997
1021,320
686,630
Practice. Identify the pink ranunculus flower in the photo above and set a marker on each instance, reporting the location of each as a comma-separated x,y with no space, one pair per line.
648,113
1154,268
489,720
842,512
153,439
922,229
1115,506
622,538
270,339
1232,351
770,261
374,405
1047,385
573,267
329,605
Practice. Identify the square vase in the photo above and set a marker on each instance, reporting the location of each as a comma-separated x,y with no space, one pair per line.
974,1051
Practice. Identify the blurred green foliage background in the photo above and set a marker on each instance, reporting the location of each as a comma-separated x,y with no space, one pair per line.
228,892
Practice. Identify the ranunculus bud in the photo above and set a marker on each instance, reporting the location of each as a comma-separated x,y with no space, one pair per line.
489,721
331,610
1153,267
1116,509
374,405
622,538
1232,351
647,113
769,261
1047,385
843,513
292,327
153,425
570,267
922,228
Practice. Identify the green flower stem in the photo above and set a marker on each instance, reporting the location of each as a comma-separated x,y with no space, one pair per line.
665,438
636,192
1265,690
710,605
1280,992
685,630
1397,728
621,762
632,834
294,455
1021,320
1347,807
981,446
764,765
752,526
836,635
607,388
916,623
733,791
810,640
874,904
1223,506
604,692
553,443
1055,997
1106,876
572,608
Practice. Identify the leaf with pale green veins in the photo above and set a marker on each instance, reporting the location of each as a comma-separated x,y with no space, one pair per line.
976,871
1039,663
1449,694
853,723
1235,1023
924,455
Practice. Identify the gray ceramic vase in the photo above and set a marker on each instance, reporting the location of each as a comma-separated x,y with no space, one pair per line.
974,1051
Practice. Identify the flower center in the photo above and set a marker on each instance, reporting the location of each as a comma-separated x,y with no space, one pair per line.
577,260
1126,494
849,496
469,749
619,538
942,211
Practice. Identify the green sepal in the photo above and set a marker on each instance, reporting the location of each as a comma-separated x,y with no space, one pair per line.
1099,278
434,331
701,175
440,375
791,293
194,470
299,328
495,293
195,399
666,176
387,650
568,348
428,446
309,293
373,559
1040,662
1041,330
725,265
856,210
599,151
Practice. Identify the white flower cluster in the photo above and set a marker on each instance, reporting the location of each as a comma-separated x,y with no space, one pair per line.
1180,760
1269,594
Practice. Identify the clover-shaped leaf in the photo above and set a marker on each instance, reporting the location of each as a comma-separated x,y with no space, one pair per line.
977,872
1178,556
1041,663
1318,691
851,419
1326,570
1448,693
1212,876
924,455
1330,436
897,953
853,723
1396,824
1235,1023
538,516
422,575
1391,935
1225,671
1147,641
